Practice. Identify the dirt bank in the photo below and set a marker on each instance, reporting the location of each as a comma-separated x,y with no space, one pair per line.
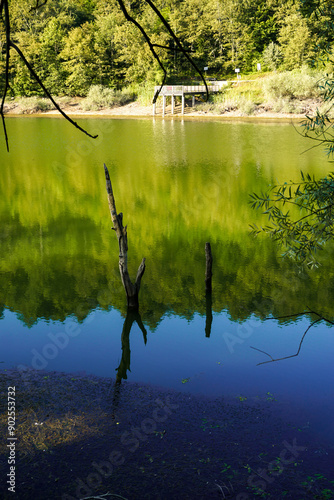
133,109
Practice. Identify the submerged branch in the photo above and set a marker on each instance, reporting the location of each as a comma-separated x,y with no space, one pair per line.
104,496
321,318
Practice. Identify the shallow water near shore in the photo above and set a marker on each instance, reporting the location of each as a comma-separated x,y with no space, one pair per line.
81,436
64,318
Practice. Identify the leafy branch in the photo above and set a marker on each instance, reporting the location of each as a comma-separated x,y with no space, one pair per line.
303,231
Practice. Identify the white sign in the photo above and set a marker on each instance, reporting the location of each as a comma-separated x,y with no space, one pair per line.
206,68
259,66
237,70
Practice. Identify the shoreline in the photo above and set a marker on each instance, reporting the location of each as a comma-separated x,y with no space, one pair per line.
135,110
132,436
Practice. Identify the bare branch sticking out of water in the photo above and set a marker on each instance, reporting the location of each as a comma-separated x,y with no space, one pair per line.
131,289
321,318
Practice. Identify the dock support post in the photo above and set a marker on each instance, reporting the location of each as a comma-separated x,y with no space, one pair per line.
163,105
172,97
182,105
193,103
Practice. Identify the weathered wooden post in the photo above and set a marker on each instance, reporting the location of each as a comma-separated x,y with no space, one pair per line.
131,290
163,105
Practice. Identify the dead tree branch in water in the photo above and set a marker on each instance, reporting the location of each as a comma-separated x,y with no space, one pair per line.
132,290
320,318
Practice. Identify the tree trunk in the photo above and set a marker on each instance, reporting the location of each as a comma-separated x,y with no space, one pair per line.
208,289
131,289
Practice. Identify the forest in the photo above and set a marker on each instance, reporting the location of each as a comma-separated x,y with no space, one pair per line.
76,44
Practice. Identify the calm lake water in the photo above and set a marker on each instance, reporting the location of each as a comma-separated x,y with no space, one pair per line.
179,184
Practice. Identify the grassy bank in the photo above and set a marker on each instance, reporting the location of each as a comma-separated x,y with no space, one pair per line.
295,92
289,92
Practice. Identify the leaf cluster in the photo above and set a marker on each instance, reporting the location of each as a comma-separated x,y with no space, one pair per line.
319,127
300,216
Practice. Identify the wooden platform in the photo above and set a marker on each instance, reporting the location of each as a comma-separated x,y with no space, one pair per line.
183,91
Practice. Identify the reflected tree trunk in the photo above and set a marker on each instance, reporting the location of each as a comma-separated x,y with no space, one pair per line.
208,317
131,289
131,317
208,268
208,289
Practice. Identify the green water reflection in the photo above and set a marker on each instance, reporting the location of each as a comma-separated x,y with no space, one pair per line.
179,184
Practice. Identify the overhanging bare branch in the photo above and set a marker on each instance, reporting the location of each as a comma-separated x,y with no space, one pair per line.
40,83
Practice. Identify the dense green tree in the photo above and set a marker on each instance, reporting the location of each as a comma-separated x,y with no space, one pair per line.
295,40
261,18
107,51
51,44
79,61
301,214
78,43
272,56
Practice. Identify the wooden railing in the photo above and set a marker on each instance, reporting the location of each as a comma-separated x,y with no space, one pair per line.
187,89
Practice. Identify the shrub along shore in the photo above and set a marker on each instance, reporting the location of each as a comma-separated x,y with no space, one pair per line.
276,94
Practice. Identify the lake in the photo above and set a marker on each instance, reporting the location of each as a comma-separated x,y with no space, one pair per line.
179,184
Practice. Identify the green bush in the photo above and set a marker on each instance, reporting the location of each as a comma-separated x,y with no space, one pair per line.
100,97
232,99
34,104
301,84
145,94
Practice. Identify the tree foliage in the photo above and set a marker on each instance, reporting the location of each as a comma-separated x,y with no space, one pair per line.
79,61
74,43
301,214
305,230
